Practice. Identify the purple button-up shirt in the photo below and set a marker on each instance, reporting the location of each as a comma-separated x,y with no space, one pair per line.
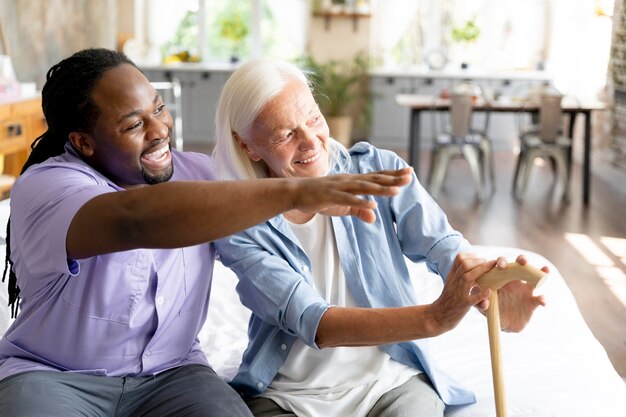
135,312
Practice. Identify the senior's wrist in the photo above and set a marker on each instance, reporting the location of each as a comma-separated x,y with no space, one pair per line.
435,325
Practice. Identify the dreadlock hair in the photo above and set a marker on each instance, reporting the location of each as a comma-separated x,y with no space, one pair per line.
68,107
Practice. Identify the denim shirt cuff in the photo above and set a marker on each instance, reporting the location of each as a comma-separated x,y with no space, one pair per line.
308,321
445,252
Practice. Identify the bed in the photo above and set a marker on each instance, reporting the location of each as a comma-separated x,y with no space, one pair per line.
554,368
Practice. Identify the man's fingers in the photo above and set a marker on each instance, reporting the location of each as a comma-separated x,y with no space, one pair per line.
367,186
386,183
366,215
403,172
351,200
338,195
399,177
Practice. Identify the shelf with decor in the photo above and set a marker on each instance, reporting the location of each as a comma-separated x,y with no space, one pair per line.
329,15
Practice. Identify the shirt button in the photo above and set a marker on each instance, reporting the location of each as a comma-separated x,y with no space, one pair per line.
259,385
160,300
147,354
283,347
305,268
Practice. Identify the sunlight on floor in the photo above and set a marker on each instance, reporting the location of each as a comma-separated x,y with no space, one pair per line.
616,246
588,249
615,280
613,275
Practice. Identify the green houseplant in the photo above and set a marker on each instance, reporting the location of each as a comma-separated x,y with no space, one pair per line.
234,29
340,88
466,34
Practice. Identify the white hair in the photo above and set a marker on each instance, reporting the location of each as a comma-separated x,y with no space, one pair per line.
245,94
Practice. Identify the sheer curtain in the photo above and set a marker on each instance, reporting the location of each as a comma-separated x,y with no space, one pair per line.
568,37
580,42
512,33
285,35
391,19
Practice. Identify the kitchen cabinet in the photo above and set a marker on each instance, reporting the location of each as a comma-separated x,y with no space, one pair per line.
390,122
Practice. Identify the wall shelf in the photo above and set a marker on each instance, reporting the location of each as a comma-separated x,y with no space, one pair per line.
355,16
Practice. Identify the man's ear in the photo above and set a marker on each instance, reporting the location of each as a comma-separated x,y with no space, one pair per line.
244,147
82,142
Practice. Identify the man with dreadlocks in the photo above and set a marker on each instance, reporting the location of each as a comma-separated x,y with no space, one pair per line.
110,254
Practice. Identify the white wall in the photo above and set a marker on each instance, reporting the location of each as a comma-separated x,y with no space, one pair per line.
40,34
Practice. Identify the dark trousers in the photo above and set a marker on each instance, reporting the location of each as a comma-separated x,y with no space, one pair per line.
192,390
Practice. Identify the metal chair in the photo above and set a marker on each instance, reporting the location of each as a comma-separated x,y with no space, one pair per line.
171,93
545,140
460,140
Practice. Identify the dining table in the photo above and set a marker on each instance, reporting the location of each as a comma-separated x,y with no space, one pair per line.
419,104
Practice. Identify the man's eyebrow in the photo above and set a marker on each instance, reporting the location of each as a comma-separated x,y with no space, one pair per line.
137,112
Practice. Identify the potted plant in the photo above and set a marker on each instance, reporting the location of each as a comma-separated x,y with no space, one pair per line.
234,29
466,34
337,85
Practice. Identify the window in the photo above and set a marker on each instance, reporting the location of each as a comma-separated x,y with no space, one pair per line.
569,38
507,34
220,30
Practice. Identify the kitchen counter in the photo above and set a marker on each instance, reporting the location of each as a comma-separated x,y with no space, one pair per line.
192,67
470,73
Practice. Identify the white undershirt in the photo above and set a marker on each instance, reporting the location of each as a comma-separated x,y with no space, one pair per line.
342,381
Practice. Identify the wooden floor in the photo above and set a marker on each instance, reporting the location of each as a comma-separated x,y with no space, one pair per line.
586,244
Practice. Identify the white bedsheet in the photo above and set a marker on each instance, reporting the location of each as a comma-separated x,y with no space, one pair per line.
554,368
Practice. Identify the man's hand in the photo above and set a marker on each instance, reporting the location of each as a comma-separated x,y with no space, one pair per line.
338,195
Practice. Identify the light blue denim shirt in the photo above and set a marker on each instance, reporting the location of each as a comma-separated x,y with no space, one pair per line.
275,280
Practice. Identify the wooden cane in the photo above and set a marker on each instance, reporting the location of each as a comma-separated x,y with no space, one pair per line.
495,279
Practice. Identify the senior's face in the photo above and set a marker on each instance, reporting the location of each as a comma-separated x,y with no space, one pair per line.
131,139
290,135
